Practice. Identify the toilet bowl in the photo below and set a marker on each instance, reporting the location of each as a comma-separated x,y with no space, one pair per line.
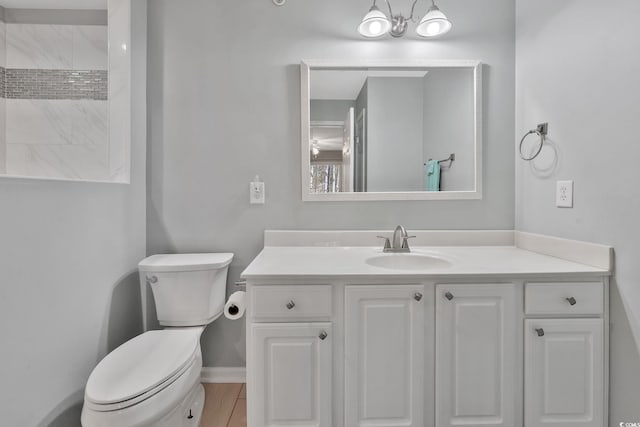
154,378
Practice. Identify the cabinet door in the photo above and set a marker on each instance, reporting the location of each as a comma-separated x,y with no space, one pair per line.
292,375
564,373
384,351
475,355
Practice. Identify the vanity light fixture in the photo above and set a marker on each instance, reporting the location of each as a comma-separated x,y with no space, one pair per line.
376,24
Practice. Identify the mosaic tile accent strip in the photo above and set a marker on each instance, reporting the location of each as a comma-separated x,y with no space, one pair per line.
3,91
56,84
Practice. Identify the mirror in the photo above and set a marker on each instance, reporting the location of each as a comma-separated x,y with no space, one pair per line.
400,130
65,89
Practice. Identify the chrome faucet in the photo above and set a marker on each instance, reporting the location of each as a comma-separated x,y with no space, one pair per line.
399,242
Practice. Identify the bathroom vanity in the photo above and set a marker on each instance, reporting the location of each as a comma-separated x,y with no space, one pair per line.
470,328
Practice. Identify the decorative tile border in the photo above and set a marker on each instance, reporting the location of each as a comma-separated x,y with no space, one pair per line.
3,91
54,84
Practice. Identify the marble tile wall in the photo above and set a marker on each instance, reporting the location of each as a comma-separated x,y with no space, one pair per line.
57,47
57,120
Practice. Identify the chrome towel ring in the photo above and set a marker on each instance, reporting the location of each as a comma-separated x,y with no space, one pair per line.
541,130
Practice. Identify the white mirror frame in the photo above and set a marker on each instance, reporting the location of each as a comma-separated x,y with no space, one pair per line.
305,68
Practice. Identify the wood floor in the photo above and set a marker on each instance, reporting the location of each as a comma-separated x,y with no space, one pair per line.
225,405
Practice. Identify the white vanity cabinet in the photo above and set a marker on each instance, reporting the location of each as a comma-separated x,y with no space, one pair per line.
476,346
467,330
384,355
290,356
564,341
488,351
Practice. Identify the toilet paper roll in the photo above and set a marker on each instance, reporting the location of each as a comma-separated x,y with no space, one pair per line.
235,306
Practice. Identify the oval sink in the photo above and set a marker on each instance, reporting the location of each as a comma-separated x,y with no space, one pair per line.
408,262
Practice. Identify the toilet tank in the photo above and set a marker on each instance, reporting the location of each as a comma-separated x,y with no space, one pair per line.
189,289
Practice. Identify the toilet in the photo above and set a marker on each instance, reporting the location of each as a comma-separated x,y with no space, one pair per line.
154,378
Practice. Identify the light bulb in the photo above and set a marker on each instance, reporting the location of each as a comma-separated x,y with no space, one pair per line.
433,28
375,27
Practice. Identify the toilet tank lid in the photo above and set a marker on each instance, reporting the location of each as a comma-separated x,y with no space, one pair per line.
185,262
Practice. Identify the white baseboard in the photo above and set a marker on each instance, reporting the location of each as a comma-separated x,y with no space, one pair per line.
223,375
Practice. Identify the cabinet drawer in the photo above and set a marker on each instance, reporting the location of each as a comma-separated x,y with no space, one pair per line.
564,298
299,302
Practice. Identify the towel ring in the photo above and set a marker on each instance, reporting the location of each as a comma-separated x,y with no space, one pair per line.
541,130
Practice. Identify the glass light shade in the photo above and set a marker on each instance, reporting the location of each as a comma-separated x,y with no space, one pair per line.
434,23
374,24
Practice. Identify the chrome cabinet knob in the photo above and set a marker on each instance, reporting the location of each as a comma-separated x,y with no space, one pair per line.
571,300
417,296
540,332
448,296
152,279
323,335
291,304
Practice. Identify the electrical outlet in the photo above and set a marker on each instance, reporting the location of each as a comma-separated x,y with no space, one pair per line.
564,194
256,192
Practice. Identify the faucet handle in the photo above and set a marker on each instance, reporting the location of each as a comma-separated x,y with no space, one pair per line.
405,243
387,242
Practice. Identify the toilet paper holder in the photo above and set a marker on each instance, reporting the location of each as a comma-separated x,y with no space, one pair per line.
235,306
241,285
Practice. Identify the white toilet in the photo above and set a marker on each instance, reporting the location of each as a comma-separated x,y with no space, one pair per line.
154,379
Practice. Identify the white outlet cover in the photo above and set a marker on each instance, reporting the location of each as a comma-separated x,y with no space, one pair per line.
256,193
564,194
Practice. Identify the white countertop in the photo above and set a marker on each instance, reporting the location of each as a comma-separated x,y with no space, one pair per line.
290,262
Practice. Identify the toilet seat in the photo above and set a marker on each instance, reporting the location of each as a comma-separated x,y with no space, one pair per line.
141,368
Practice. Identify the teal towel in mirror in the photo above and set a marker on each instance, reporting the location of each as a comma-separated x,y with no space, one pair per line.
433,175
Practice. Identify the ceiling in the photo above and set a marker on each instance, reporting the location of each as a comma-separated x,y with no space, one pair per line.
346,84
54,4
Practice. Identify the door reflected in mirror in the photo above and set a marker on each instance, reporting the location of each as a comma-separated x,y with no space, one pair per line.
379,132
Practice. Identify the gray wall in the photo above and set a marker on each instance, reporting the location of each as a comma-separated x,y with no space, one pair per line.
224,104
394,134
449,125
329,110
578,68
69,292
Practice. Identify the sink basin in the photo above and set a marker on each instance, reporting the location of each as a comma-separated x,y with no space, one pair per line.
408,262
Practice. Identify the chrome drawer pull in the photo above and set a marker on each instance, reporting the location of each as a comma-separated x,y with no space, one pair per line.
449,296
571,300
323,335
540,332
291,304
152,279
417,296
